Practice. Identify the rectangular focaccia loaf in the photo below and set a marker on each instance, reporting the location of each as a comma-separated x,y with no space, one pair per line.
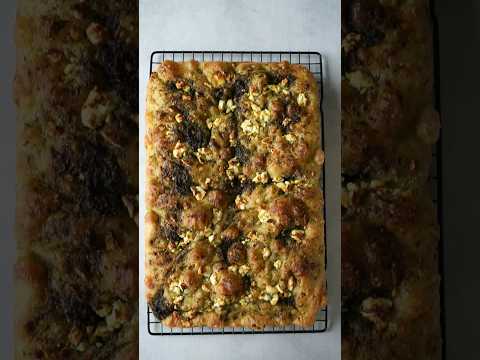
234,206
390,233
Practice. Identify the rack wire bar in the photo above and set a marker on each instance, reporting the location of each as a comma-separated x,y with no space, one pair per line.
311,60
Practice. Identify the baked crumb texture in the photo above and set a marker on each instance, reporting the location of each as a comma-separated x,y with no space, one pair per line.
390,281
76,277
234,206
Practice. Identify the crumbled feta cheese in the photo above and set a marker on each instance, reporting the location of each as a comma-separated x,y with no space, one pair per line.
230,106
249,127
221,105
260,177
179,150
198,192
290,138
263,216
277,264
302,99
274,300
270,289
243,269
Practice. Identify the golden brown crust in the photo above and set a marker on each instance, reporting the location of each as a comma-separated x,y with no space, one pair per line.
77,168
390,234
234,222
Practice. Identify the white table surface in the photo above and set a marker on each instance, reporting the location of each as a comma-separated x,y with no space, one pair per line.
283,25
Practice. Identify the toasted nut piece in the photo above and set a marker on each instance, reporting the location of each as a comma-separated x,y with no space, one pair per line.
179,118
240,202
233,168
291,283
219,303
270,289
243,270
290,138
187,236
266,253
204,154
96,33
265,297
218,79
233,268
178,299
176,289
274,300
96,109
217,216
283,185
255,107
221,105
213,279
298,235
286,121
243,301
75,336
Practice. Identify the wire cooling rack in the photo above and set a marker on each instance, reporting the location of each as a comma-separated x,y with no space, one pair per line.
311,60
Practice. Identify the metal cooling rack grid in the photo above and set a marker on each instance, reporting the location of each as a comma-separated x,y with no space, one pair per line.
313,61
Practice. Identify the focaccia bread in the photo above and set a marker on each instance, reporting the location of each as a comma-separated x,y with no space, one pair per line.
234,205
77,180
390,234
